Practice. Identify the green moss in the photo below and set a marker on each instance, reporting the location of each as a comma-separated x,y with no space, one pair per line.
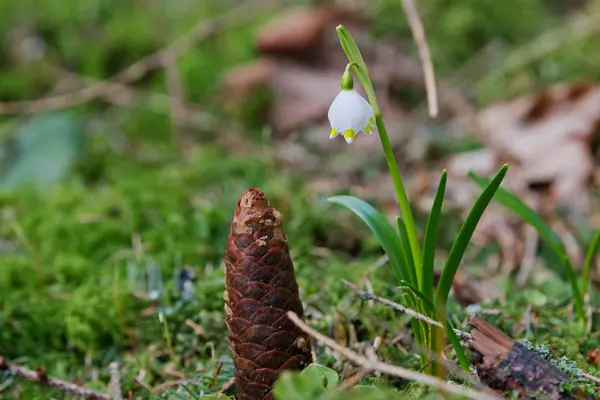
76,293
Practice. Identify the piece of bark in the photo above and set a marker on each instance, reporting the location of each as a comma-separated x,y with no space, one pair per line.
260,289
505,365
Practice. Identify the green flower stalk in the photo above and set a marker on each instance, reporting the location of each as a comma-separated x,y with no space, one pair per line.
359,67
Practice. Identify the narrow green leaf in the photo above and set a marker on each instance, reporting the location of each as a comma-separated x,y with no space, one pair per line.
430,239
421,338
513,203
428,304
352,51
463,238
354,56
589,260
460,352
387,236
406,252
577,296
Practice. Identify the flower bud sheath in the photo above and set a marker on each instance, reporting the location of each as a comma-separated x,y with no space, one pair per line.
260,289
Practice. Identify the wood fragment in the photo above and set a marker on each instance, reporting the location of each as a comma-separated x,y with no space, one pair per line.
505,365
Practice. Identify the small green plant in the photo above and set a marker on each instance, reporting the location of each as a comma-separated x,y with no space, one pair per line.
411,262
321,383
579,287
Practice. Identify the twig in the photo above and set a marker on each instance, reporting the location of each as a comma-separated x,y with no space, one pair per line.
168,384
125,96
375,365
177,102
115,381
370,296
531,245
140,380
461,334
590,377
356,378
228,385
40,377
201,31
424,54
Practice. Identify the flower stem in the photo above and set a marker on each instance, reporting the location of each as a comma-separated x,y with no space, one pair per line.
400,193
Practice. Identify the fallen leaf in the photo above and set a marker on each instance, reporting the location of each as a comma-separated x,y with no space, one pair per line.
594,356
549,135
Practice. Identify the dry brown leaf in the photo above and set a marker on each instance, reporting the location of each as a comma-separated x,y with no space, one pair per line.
549,135
302,64
299,30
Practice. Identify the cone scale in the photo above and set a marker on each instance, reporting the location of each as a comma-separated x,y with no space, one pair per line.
260,289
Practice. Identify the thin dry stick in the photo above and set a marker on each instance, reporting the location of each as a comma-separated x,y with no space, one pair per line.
531,245
461,334
115,381
168,384
370,296
177,103
201,31
375,365
40,377
590,377
424,54
125,96
228,385
356,378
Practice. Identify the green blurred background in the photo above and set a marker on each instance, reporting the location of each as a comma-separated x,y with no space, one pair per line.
113,210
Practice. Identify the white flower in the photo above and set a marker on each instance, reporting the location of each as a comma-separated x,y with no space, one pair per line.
349,114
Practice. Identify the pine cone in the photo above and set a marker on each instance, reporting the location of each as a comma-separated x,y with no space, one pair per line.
260,289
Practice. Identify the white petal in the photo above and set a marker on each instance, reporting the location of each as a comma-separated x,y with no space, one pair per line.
349,110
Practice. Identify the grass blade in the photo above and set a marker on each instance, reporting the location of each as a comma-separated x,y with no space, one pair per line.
386,235
408,256
517,206
577,296
428,305
430,239
460,352
463,238
589,260
454,340
513,203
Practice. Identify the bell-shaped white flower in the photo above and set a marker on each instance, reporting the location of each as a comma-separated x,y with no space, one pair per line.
350,113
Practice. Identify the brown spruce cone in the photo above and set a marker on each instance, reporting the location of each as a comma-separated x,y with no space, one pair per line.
260,289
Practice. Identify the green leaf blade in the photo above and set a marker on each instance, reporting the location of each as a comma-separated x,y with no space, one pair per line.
455,341
589,260
377,222
463,238
517,206
407,252
430,239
